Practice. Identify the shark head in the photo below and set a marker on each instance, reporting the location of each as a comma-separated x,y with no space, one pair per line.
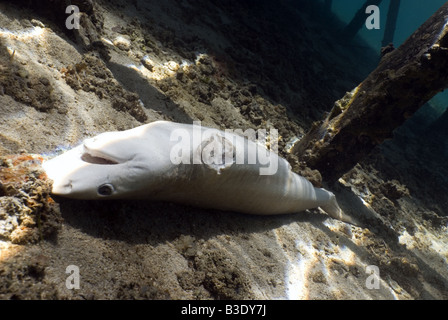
104,166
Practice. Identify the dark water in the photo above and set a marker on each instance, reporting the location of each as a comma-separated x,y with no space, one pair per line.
418,154
411,15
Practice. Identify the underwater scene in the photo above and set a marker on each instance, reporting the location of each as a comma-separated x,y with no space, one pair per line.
223,150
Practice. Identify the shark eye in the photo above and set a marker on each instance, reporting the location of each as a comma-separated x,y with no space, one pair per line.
105,189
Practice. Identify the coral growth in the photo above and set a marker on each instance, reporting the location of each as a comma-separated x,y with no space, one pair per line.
27,212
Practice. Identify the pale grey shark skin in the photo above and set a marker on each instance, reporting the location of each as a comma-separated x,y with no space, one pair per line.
138,164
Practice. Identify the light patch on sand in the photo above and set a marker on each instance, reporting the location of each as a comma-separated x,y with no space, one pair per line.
164,70
23,35
311,257
160,71
424,239
107,41
298,272
8,250
18,42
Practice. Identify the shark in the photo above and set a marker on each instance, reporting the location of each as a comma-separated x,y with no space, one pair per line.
186,164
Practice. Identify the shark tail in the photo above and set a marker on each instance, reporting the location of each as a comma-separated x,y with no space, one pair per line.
333,210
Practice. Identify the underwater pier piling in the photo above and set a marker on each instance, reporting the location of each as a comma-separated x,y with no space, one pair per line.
391,23
404,80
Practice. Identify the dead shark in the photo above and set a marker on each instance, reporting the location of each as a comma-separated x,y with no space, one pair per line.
183,163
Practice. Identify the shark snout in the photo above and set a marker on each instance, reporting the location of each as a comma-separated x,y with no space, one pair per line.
62,188
81,175
102,166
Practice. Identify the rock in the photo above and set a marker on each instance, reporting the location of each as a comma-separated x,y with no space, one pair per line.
405,266
27,212
319,277
122,43
148,63
394,190
23,73
172,66
37,23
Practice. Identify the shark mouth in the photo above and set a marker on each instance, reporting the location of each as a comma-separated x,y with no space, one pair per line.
97,158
